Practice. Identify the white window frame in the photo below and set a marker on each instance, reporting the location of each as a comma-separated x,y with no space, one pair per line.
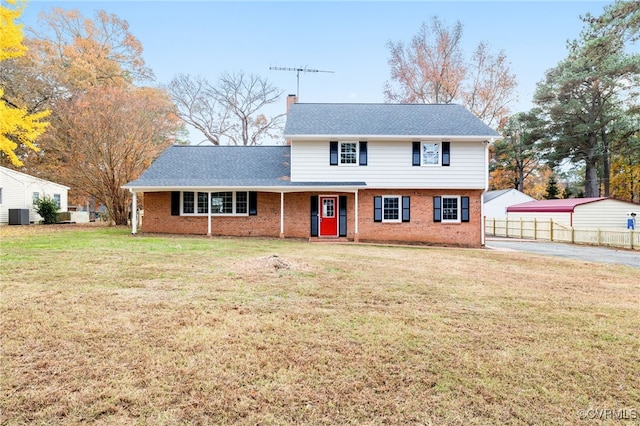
423,157
205,203
35,197
211,198
0,196
399,201
458,218
57,198
356,154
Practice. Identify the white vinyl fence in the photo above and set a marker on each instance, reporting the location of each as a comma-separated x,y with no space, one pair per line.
549,230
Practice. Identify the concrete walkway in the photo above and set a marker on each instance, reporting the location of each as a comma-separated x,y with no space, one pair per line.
572,251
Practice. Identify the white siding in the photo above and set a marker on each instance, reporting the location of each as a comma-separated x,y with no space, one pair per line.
12,196
604,214
389,165
18,189
497,207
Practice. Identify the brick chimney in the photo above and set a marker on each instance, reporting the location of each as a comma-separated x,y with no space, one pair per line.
291,99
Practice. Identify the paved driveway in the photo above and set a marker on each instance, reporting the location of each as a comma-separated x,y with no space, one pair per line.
573,251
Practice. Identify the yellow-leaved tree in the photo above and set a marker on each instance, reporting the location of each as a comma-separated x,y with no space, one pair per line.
17,124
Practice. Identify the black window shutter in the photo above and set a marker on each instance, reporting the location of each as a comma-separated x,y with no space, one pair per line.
175,203
377,209
464,201
333,153
253,203
416,153
342,206
314,215
437,209
363,153
446,153
406,205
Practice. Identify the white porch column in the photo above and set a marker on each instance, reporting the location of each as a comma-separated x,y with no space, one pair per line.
483,222
281,214
134,213
208,214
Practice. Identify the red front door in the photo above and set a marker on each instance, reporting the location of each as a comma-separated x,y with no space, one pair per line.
328,216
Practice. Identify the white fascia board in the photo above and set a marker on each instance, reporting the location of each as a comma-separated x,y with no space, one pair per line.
437,188
468,138
23,177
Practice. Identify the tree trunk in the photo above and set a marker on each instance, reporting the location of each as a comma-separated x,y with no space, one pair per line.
606,161
520,179
591,179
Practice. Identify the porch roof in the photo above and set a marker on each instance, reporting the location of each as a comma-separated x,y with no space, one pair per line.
189,167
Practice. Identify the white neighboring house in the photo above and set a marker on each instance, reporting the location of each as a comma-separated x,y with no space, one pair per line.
496,202
21,191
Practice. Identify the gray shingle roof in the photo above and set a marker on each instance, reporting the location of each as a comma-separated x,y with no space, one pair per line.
184,166
490,195
384,120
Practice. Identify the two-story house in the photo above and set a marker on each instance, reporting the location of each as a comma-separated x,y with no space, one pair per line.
360,172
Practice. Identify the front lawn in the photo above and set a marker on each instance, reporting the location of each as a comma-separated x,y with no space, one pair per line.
98,326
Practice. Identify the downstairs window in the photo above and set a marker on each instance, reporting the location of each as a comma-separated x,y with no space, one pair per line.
222,203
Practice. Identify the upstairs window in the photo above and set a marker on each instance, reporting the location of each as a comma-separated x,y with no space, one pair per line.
348,153
431,154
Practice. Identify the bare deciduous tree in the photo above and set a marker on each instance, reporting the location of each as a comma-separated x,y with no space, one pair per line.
197,105
491,86
433,69
228,109
430,69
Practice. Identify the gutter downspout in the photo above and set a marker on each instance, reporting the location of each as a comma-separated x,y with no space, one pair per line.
486,188
571,218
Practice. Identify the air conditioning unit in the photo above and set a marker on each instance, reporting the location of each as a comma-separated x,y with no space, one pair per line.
18,216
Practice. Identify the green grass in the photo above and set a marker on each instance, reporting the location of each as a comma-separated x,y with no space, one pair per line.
98,326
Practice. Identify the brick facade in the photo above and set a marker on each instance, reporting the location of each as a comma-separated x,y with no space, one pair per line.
420,229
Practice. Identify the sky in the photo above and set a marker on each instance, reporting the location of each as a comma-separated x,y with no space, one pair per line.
207,38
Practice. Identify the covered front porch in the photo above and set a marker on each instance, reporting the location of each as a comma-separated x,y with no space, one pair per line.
328,211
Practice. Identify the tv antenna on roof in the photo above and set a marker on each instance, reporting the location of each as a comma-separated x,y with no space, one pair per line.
298,71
